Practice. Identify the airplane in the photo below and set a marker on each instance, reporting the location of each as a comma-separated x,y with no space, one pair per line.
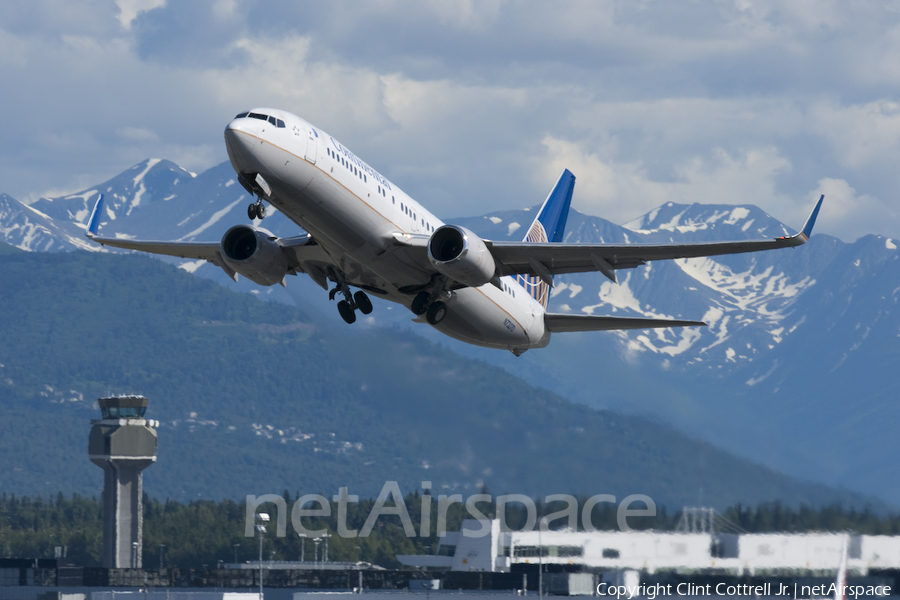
361,231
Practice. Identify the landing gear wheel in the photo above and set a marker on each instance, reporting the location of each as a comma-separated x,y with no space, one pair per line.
420,304
251,211
260,211
362,302
347,312
436,313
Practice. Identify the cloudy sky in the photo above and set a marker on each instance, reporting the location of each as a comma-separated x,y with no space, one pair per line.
473,105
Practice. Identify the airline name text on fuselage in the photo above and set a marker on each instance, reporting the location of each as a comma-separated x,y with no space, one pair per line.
359,163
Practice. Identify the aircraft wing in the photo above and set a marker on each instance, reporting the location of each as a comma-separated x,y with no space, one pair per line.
301,252
547,259
558,323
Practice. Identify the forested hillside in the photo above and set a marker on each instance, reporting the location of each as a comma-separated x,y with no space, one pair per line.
254,398
203,532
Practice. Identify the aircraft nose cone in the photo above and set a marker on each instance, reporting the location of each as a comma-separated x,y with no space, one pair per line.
239,142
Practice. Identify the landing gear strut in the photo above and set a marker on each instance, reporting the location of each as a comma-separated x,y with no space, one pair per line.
351,302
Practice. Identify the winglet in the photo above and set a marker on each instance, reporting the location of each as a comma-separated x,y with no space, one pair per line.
94,220
808,227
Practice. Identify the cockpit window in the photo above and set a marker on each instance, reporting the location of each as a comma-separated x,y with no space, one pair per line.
259,116
281,123
273,121
242,115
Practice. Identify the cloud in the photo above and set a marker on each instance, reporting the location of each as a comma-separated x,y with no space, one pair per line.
137,134
469,105
621,192
130,9
861,133
847,212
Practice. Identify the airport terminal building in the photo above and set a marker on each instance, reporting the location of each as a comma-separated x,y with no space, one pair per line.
650,552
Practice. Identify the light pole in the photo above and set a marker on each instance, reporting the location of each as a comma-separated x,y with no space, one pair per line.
540,566
134,555
236,546
316,541
302,546
162,548
261,519
326,535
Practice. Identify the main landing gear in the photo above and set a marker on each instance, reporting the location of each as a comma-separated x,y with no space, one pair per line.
351,302
426,304
257,210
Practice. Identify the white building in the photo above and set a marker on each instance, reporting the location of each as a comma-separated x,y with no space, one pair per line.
652,551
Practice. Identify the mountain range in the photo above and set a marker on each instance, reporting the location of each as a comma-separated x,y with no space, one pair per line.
796,369
257,398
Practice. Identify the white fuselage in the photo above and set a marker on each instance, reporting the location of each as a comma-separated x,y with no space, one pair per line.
353,213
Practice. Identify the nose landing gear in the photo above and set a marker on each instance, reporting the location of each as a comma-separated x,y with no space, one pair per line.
257,210
257,186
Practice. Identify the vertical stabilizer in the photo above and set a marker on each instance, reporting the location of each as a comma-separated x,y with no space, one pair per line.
549,226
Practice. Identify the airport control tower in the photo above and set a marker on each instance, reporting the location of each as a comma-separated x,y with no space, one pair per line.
122,443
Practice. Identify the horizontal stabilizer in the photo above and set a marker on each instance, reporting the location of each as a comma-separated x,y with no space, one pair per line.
559,323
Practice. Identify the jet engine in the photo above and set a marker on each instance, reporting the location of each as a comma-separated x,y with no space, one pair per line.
461,255
254,253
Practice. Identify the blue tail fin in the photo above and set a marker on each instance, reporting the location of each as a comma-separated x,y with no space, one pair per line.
550,223
549,226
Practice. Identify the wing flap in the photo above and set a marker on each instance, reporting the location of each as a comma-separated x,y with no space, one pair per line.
560,323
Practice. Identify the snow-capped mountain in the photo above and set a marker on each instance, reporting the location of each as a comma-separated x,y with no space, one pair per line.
796,368
746,300
28,228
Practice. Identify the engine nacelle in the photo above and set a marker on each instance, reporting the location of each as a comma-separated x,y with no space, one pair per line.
461,255
253,253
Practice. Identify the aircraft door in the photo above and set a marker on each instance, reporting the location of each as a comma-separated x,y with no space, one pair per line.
312,146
